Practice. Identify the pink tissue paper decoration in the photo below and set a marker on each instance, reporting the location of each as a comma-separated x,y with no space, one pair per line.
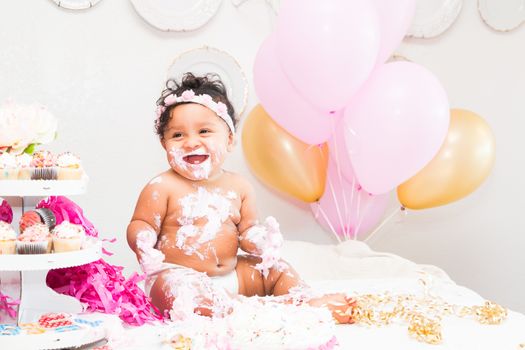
103,288
6,213
66,209
8,306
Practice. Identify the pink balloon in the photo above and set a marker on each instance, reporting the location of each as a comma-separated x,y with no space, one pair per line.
395,125
283,103
345,208
395,18
327,48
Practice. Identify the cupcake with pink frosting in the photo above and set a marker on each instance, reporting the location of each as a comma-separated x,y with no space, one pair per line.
69,167
7,239
8,168
35,239
43,166
67,237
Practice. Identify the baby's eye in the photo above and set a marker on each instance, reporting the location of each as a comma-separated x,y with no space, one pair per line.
204,131
177,135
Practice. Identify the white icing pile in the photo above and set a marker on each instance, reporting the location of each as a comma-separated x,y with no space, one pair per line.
192,290
268,239
259,324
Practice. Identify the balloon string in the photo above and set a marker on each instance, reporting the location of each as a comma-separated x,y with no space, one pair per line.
360,215
319,209
347,209
340,177
341,222
360,220
388,218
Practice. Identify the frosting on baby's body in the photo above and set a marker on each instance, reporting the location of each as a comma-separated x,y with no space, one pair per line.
199,229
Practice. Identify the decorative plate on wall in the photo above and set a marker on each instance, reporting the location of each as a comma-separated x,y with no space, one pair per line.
502,15
433,17
274,4
210,60
396,57
76,4
176,15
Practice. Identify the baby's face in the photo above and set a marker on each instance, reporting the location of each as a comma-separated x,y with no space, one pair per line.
196,141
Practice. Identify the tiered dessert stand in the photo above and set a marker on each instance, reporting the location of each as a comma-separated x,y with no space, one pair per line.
30,272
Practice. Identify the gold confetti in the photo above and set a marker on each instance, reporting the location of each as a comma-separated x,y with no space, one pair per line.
423,314
490,313
425,329
180,343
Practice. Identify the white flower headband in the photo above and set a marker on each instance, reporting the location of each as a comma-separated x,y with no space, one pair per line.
206,100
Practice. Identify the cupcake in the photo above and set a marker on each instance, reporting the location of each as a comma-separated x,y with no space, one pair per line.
8,168
69,166
7,239
43,166
34,240
67,237
23,161
29,218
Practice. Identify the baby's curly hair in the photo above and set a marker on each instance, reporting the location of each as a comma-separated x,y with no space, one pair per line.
209,84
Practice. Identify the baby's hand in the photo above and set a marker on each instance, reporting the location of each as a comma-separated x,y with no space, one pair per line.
151,259
268,240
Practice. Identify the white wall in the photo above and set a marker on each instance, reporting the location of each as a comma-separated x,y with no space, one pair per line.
100,72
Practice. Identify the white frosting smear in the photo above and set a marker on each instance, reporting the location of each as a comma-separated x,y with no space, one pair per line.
151,259
268,239
201,205
199,171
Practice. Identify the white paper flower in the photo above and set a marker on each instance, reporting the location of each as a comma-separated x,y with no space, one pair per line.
21,126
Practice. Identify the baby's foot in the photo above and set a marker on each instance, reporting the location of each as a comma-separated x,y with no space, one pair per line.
338,304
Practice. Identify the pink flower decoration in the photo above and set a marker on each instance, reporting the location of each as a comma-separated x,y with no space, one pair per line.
170,99
6,213
207,100
221,108
188,95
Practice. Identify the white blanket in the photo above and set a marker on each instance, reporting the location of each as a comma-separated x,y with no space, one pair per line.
353,268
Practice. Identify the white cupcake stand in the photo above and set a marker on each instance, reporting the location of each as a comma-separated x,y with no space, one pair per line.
26,274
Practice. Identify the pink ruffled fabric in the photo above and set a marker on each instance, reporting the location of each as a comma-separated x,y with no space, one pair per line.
66,209
6,213
8,306
103,288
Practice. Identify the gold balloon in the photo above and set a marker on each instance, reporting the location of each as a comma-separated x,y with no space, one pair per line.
281,160
461,165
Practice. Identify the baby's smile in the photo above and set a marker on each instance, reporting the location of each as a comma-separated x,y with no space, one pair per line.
196,158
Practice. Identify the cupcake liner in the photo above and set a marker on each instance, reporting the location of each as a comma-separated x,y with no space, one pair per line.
61,245
48,173
24,174
9,174
47,216
7,247
33,247
69,174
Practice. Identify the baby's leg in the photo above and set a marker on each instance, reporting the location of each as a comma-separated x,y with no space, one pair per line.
252,281
279,282
183,292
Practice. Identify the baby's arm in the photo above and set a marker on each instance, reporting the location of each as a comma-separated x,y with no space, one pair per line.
248,219
264,240
146,223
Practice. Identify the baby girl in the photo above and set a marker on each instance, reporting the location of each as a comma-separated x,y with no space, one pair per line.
190,220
